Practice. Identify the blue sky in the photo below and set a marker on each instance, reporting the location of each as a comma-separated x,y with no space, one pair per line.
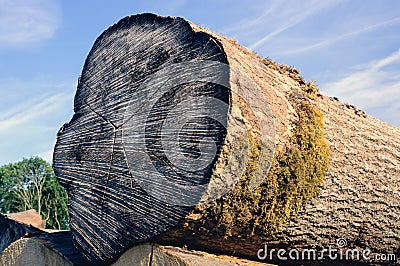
350,48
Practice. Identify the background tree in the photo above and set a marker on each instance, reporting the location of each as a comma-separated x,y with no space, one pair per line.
31,184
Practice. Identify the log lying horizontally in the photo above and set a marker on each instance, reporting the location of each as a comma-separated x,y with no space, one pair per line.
359,200
155,109
169,117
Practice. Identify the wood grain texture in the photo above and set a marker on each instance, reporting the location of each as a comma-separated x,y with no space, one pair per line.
56,248
99,153
359,200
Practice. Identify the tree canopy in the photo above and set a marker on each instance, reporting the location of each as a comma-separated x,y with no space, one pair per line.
32,184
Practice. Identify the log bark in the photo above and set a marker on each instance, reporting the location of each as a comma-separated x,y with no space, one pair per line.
167,115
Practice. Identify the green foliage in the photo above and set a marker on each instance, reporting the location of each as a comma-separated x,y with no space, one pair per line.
31,184
295,176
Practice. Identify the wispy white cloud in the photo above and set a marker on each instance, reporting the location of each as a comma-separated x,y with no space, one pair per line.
26,22
353,33
392,59
243,25
292,16
373,86
29,128
18,116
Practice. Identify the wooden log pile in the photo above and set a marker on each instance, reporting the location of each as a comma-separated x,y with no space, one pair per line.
182,136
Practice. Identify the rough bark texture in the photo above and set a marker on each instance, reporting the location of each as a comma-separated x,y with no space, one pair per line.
359,200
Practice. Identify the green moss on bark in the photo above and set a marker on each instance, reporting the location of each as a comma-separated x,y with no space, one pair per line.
297,171
295,176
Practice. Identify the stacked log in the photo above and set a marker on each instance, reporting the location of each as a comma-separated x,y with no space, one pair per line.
38,247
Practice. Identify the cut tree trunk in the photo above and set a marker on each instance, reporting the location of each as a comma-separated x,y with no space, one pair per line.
27,251
153,107
25,246
166,115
